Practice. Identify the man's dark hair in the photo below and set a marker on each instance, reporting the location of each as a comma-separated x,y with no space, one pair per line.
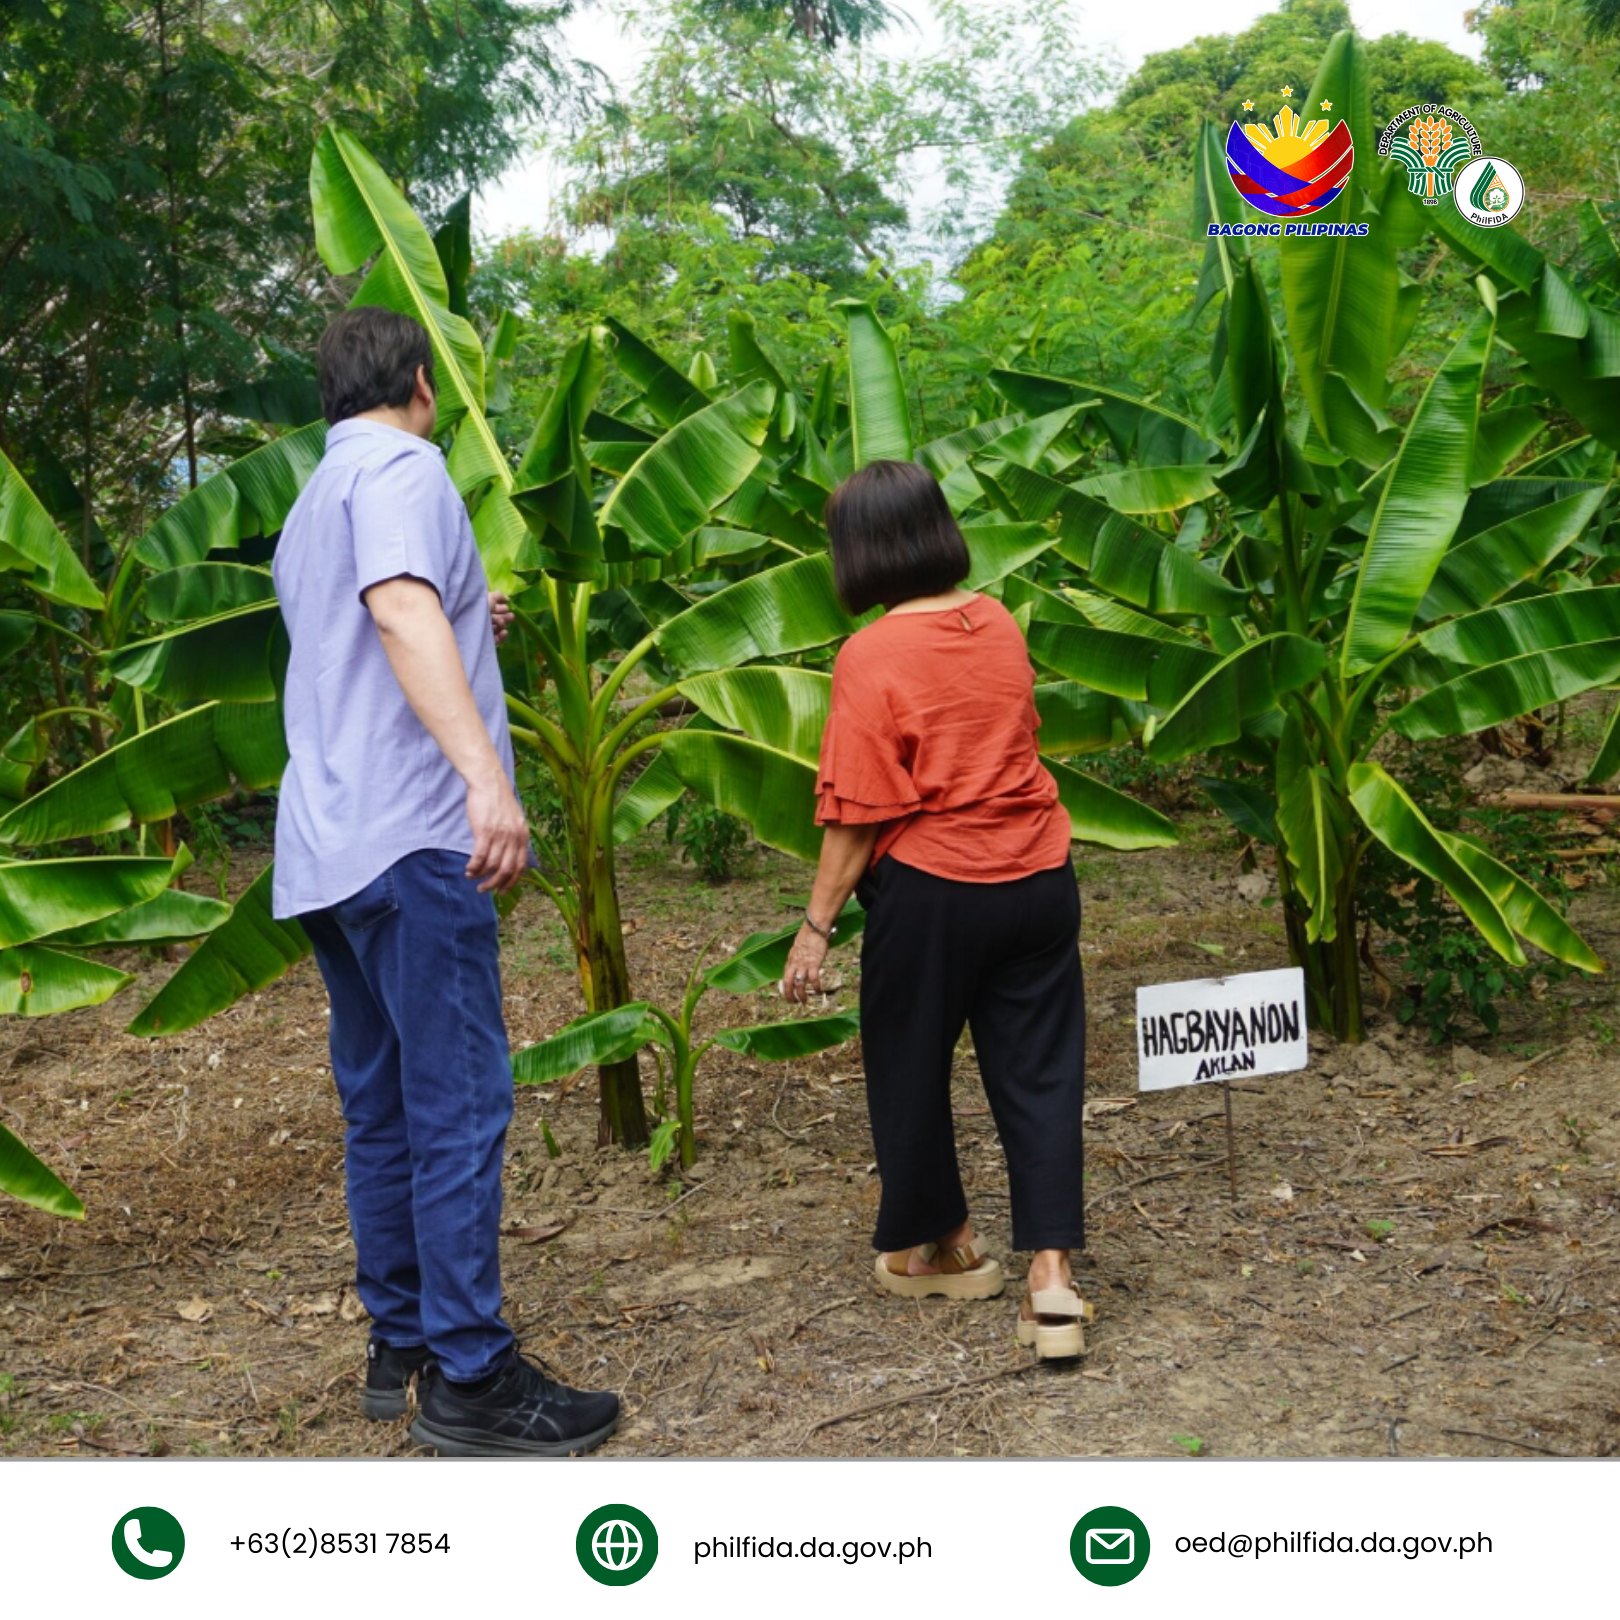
368,358
893,536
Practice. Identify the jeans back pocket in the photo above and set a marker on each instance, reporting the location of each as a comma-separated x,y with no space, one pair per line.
368,906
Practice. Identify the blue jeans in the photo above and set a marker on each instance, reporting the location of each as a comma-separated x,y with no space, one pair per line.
423,1070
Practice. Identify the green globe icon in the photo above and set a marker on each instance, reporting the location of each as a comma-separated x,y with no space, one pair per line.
616,1545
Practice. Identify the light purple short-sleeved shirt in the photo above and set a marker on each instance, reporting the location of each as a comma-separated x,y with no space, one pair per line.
366,784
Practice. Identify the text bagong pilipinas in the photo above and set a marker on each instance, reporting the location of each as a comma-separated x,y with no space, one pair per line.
1291,227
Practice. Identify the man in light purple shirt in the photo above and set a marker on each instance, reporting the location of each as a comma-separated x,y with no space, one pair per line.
397,825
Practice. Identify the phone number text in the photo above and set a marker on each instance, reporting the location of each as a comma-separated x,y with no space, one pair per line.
312,1543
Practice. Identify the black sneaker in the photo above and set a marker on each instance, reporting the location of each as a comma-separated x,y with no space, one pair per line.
388,1378
523,1412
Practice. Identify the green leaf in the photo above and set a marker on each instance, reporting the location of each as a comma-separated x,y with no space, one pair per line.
597,1038
1390,816
16,631
1608,754
1245,804
1422,501
761,958
41,898
1531,624
1531,917
667,393
1143,668
252,496
1075,720
39,982
33,546
27,1178
22,753
1242,685
204,753
1099,814
1151,489
205,590
1503,434
1140,430
770,790
646,799
231,658
791,1037
879,418
998,549
1490,563
247,951
1315,830
676,484
784,707
171,916
1488,695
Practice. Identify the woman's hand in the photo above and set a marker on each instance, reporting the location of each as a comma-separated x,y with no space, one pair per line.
801,978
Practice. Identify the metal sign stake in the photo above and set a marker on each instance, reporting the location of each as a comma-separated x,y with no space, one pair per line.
1231,1151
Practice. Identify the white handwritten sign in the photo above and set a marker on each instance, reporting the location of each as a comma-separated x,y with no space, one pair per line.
1213,1029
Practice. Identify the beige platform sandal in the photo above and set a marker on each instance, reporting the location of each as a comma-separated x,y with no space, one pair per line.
965,1272
1053,1326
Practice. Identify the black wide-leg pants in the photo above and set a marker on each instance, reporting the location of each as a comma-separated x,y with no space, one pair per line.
1003,958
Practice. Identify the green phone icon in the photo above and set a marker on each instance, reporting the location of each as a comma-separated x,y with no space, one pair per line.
148,1543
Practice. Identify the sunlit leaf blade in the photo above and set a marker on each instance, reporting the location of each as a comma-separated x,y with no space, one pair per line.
646,799
677,483
247,951
202,754
1138,429
33,546
666,392
761,958
37,981
1534,623
26,1177
770,790
597,1038
944,455
1244,684
40,898
251,496
1530,915
1150,489
781,706
1391,817
1503,434
791,1037
171,916
879,417
205,590
1076,720
998,549
231,658
1492,693
1143,668
1099,814
1422,500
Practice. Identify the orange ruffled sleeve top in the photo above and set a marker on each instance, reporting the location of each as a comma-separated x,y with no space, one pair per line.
932,733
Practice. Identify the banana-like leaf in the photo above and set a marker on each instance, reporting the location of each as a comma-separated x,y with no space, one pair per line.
1243,685
1075,720
672,489
1142,668
1391,817
774,704
789,608
233,657
749,356
1107,614
1492,693
204,753
597,1038
1118,554
247,951
1314,826
37,981
1140,430
1099,814
1245,804
944,455
1503,433
998,549
359,214
650,795
879,417
169,917
1422,501
1531,917
22,753
251,496
1151,489
761,958
25,1177
16,631
791,1037
1485,567
770,790
205,590
1608,754
667,394
33,546
505,544
1532,624
41,898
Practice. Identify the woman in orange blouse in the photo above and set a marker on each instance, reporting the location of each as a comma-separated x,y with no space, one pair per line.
940,816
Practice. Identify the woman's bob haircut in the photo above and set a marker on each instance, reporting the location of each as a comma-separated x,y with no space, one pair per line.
893,536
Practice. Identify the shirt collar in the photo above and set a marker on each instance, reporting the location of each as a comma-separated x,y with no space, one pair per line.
364,427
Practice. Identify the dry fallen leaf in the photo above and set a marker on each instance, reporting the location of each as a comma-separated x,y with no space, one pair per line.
534,1234
1106,1105
195,1309
1283,1193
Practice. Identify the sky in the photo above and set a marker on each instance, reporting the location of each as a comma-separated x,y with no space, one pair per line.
523,197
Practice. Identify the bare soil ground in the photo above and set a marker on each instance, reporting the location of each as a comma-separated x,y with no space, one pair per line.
1422,1258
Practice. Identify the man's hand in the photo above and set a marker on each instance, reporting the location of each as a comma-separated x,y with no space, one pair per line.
500,834
500,616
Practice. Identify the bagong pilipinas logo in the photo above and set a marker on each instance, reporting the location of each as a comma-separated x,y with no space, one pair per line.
1290,169
1432,142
